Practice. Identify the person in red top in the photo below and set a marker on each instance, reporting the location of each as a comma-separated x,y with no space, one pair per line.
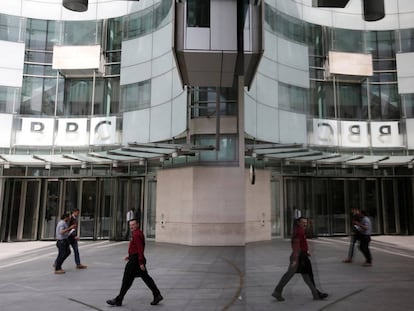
135,267
299,263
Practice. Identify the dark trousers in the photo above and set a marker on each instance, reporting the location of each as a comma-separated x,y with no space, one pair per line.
355,237
74,243
364,247
131,271
304,267
63,253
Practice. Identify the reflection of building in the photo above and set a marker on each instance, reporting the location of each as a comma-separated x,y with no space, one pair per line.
93,111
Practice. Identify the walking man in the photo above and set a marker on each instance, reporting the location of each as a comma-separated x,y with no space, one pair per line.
355,235
366,231
135,267
73,238
129,216
62,243
299,263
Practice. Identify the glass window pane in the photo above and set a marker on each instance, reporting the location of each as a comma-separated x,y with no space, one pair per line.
347,40
136,96
82,32
9,28
407,40
9,99
78,97
198,13
408,100
350,101
32,90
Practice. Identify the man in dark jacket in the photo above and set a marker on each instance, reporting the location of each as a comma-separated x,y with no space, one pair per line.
299,263
355,233
73,238
135,267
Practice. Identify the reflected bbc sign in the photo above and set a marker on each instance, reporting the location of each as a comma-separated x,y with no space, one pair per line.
356,134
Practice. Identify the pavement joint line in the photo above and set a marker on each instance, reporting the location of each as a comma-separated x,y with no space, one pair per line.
85,304
342,299
241,283
397,251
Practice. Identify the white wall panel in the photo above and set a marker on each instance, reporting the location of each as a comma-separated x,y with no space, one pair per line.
293,54
53,9
290,7
136,51
43,9
250,116
223,25
162,64
403,5
253,87
270,46
135,73
292,127
268,68
293,76
267,123
317,16
405,72
136,126
11,63
177,87
6,123
161,89
197,38
179,114
267,91
390,21
160,122
410,133
348,21
11,7
162,41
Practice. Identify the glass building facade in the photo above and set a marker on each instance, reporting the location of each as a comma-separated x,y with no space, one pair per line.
297,99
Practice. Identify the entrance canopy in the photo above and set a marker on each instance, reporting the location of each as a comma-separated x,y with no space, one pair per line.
291,155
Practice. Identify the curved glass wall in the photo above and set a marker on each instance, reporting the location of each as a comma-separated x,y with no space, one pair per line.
342,99
47,93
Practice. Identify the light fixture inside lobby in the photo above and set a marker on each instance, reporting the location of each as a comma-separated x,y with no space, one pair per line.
373,10
78,5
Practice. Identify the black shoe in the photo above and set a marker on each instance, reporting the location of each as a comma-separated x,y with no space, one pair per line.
156,300
114,302
278,296
320,296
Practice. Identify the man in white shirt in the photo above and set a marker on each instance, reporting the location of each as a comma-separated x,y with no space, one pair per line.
62,243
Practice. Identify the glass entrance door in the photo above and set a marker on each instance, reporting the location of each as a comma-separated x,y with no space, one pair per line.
88,209
104,215
51,208
22,199
31,203
130,195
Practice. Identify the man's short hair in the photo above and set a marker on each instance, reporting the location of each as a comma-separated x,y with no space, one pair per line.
65,215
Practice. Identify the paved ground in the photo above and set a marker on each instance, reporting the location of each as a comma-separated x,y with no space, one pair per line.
208,278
